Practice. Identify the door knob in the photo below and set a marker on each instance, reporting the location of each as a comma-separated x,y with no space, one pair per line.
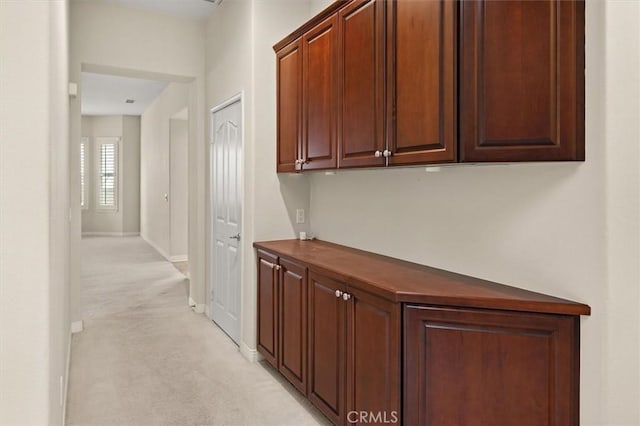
346,296
338,293
235,237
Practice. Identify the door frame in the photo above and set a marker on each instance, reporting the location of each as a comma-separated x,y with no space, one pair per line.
210,229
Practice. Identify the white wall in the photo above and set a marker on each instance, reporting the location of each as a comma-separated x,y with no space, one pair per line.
570,229
622,179
179,187
317,6
126,219
112,38
155,218
34,202
239,54
130,160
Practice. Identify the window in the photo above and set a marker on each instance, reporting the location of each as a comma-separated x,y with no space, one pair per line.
107,149
84,142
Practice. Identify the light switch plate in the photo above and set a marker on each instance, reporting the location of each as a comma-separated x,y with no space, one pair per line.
299,215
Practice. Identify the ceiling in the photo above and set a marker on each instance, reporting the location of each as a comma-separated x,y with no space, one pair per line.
194,9
106,94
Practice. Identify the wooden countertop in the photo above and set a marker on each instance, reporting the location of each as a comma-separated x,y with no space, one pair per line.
402,281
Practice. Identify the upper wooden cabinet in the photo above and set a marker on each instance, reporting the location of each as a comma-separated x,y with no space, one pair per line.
319,144
289,106
407,82
522,80
421,81
361,80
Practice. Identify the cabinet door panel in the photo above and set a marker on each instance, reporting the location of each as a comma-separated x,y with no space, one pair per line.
373,356
490,367
293,323
268,307
422,81
319,95
289,99
522,80
326,346
361,75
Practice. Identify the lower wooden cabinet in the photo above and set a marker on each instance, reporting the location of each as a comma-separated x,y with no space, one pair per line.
268,307
373,359
292,361
282,316
490,367
364,354
354,353
327,316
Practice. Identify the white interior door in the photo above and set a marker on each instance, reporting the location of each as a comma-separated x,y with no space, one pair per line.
226,213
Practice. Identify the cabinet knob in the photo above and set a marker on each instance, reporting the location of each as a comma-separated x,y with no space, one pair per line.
387,153
338,293
277,267
346,296
378,154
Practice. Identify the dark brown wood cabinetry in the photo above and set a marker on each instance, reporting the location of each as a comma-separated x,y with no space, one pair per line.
508,368
327,313
354,351
319,96
361,80
373,355
268,307
289,106
307,100
406,82
422,81
522,80
458,347
282,316
292,361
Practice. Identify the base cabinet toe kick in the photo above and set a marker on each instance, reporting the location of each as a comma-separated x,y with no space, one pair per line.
370,339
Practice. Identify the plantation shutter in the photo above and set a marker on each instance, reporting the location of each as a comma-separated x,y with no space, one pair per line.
108,173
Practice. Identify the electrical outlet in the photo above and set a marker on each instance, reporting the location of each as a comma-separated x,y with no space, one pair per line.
299,215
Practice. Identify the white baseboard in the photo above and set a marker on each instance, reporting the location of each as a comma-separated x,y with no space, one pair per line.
156,247
66,380
110,234
179,258
198,308
77,326
251,355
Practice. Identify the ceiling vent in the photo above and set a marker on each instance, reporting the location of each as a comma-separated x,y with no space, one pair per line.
129,101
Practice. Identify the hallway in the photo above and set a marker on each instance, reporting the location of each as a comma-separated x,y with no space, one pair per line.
145,358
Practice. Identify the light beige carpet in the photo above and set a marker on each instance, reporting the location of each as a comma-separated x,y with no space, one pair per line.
145,358
182,267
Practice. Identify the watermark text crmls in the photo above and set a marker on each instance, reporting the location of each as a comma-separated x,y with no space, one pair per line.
385,417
